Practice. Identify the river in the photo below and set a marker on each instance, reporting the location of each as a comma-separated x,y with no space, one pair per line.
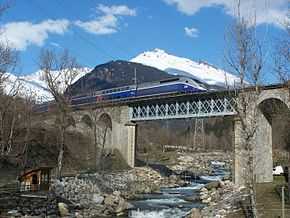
175,202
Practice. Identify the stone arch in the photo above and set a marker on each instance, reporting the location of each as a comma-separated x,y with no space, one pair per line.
87,120
277,94
105,129
121,133
273,117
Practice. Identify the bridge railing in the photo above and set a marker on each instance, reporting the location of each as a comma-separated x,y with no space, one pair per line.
184,109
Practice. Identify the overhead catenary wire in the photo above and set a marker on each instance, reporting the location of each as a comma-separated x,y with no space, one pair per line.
81,36
121,49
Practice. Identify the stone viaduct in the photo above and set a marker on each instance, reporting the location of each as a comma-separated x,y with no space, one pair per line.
119,119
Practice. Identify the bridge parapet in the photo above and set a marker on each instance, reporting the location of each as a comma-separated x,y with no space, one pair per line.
214,106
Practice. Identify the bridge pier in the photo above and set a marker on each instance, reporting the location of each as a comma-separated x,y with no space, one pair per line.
239,168
263,150
132,137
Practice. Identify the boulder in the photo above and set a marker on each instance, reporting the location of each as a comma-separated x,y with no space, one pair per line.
117,193
194,213
203,196
122,205
203,190
63,209
110,200
211,185
192,198
206,201
98,199
13,213
78,215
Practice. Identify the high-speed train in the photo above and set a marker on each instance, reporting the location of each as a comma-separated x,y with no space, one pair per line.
168,86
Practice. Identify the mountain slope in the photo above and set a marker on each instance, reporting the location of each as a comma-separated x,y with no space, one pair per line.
182,66
116,74
33,84
150,66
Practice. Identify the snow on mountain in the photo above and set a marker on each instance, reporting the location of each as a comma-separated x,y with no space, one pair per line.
185,67
33,84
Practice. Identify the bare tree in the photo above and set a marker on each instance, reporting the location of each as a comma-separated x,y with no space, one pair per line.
29,100
91,120
59,72
100,132
8,92
8,56
244,57
282,71
282,56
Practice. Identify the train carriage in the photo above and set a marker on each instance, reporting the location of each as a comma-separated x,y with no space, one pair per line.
169,86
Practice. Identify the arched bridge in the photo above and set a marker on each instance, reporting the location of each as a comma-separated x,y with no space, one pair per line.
125,114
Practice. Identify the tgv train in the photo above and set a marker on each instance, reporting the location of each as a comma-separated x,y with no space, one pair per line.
169,86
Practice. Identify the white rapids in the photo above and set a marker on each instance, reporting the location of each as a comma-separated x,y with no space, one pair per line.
164,213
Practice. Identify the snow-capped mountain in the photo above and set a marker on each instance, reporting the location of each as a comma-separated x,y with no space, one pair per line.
202,71
159,59
33,84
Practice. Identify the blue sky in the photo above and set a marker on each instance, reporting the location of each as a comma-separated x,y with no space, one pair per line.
97,31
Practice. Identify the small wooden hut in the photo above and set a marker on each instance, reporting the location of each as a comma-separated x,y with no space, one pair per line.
37,179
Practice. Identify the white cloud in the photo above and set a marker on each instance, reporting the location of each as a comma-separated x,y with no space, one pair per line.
107,23
103,25
20,35
121,10
265,11
191,32
54,44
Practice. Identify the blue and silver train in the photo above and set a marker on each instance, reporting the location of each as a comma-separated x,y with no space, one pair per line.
168,86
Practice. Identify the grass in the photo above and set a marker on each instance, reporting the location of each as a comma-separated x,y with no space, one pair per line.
269,201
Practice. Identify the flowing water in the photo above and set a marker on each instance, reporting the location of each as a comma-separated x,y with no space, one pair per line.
175,202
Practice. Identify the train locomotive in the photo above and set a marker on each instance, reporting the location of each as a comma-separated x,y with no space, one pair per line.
163,87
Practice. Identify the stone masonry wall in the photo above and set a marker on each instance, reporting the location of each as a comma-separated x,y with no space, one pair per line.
19,204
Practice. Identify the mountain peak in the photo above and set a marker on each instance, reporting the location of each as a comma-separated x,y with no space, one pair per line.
157,52
175,65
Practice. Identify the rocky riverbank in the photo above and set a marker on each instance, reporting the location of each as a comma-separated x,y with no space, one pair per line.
107,194
201,162
17,204
221,198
